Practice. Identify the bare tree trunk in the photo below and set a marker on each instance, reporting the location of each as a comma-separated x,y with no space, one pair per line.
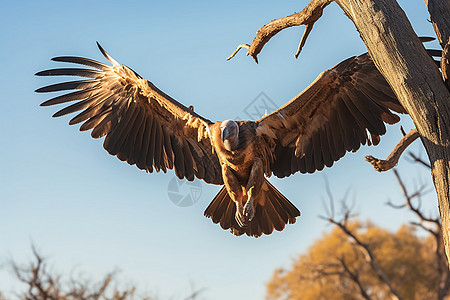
439,11
401,58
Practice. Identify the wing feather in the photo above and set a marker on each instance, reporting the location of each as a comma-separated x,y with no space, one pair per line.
94,121
337,135
131,140
77,95
75,107
188,161
347,128
346,106
82,61
330,137
140,131
147,159
151,148
141,124
358,119
309,159
70,72
89,111
326,155
199,167
179,158
158,145
168,150
124,141
70,85
122,129
316,147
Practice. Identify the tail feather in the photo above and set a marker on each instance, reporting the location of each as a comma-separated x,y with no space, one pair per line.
272,211
254,230
274,216
267,226
283,214
228,217
218,206
288,207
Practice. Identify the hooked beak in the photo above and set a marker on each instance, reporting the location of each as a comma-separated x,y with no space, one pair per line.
226,134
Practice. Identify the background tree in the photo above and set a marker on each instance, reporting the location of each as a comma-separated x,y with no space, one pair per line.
334,268
42,284
362,261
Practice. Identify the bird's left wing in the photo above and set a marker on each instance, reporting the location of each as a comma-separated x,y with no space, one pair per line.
346,106
142,125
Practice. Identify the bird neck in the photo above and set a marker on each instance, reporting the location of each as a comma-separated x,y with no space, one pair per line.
231,144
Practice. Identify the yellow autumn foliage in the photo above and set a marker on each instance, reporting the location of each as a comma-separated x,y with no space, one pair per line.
407,260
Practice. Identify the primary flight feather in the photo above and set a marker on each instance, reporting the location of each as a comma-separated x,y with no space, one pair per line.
345,107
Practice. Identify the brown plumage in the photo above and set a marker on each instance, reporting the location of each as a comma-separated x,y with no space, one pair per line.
346,106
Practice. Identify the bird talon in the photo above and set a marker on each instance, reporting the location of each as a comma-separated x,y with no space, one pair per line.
249,210
239,216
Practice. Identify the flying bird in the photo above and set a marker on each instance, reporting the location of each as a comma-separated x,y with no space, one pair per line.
345,107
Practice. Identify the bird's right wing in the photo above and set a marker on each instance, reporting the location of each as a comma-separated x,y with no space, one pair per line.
142,125
346,106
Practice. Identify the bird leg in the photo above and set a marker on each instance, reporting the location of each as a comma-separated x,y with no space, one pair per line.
390,162
253,188
234,189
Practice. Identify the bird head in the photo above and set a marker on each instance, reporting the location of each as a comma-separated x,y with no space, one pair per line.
230,134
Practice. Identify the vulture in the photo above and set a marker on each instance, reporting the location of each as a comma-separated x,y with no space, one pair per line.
345,107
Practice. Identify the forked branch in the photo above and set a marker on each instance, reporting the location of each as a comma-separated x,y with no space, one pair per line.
246,46
308,29
416,209
354,276
436,232
366,251
391,161
308,16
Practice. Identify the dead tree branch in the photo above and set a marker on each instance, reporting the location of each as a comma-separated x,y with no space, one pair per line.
368,255
308,16
44,285
364,248
419,160
246,46
436,232
354,276
392,160
416,209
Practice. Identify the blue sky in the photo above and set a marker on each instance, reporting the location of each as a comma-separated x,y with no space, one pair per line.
87,210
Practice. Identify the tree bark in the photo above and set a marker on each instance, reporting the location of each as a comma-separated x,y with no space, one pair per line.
401,58
439,11
403,61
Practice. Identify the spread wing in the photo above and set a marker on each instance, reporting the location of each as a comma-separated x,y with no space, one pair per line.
142,125
346,106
